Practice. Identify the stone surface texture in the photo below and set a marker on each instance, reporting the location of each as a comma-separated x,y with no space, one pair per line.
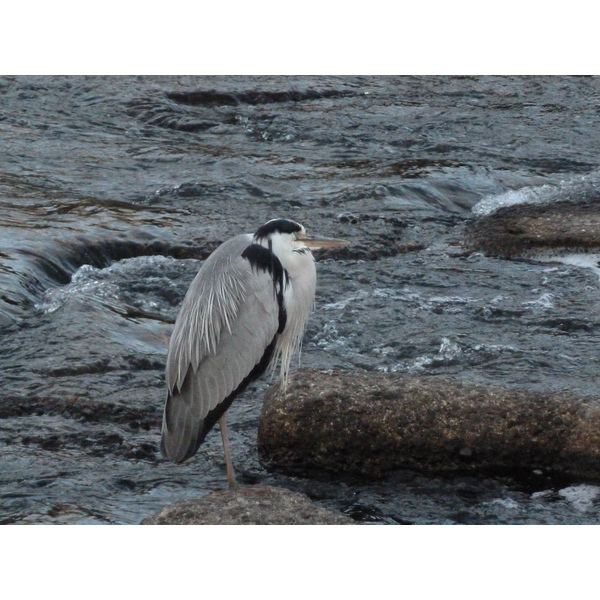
370,424
252,505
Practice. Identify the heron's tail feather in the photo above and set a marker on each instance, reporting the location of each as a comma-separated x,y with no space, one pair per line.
182,430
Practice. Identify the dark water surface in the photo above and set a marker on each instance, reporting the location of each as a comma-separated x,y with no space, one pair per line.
112,191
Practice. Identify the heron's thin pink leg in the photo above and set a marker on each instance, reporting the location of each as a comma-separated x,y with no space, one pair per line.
225,438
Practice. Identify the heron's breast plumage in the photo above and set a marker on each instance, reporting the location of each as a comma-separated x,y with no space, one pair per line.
299,298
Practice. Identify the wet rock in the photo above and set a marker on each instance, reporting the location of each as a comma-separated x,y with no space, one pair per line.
256,505
370,424
215,98
519,229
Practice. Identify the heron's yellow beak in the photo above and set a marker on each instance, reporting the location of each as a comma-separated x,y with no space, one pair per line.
315,243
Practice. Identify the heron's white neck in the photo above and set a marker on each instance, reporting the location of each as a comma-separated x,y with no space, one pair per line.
299,298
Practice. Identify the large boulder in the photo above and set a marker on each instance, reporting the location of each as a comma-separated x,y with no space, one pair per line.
252,505
525,228
369,424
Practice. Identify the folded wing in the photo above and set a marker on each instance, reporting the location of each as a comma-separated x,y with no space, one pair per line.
224,337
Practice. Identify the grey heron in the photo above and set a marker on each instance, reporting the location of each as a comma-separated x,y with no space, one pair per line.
246,309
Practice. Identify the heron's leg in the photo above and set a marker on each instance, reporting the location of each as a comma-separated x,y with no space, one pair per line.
225,438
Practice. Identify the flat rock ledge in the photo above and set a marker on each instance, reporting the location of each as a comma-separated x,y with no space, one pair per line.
370,424
525,228
252,505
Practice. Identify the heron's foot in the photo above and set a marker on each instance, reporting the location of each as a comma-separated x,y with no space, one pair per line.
231,479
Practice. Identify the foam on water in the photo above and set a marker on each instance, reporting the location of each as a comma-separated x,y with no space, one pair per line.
341,304
582,497
526,195
578,189
506,503
104,285
449,352
85,283
544,302
587,260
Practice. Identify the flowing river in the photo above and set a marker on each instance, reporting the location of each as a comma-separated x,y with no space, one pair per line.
114,189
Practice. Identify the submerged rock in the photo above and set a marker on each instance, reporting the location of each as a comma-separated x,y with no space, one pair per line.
370,424
519,229
255,505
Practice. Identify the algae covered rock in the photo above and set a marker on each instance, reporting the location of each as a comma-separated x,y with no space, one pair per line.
248,505
527,228
370,424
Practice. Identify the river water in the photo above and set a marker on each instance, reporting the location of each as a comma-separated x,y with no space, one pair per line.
113,190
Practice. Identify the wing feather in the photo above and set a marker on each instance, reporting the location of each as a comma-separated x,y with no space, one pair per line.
229,317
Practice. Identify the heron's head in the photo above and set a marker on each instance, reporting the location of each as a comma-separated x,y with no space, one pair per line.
278,232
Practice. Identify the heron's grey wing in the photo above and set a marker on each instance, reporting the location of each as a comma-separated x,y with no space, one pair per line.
230,316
